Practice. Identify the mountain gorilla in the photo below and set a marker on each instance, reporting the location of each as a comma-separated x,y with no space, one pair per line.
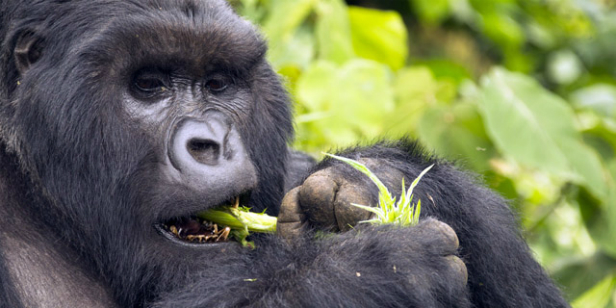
121,119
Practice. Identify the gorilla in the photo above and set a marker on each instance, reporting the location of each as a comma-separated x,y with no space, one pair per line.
120,119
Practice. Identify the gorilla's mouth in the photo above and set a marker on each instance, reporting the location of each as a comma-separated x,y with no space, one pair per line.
196,230
192,229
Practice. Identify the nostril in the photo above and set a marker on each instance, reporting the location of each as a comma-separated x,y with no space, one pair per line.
204,151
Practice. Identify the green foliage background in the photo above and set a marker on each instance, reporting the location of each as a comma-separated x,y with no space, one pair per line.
521,91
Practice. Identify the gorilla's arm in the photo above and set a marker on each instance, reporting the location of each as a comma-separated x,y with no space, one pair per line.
501,268
367,267
299,166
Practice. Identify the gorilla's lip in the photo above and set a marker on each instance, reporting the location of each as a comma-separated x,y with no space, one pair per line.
191,230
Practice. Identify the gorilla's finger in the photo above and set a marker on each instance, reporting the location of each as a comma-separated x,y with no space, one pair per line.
348,215
438,237
291,219
316,199
458,270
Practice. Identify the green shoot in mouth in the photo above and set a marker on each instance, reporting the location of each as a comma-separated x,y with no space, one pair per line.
241,221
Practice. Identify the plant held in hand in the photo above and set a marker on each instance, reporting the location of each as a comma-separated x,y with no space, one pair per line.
388,211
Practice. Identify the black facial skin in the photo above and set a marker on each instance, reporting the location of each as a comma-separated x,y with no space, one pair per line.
119,117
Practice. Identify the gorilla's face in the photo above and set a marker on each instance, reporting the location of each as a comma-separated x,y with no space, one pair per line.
194,111
142,120
185,87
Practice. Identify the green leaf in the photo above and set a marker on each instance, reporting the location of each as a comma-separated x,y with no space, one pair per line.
587,165
288,43
315,84
601,135
457,133
503,30
600,221
296,53
445,69
351,101
416,84
284,19
379,36
578,275
333,31
535,128
409,193
431,11
599,97
599,296
415,90
603,227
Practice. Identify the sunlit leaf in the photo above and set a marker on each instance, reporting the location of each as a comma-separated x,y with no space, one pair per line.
415,90
444,69
316,84
457,133
294,56
431,11
352,100
535,127
284,18
503,30
602,225
333,31
599,97
379,36
581,274
599,296
288,44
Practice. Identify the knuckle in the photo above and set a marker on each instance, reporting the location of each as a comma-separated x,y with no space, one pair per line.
289,209
348,215
445,233
316,200
317,185
458,268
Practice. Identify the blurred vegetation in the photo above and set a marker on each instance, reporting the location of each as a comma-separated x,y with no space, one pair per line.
521,91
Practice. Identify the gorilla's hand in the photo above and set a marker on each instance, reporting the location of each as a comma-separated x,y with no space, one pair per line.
419,262
324,200
430,248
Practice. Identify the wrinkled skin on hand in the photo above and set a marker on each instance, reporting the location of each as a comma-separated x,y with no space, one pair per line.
324,202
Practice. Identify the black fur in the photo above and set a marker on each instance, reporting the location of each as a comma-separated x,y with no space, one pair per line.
501,268
82,178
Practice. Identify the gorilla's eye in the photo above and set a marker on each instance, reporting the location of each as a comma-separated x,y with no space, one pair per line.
216,85
148,84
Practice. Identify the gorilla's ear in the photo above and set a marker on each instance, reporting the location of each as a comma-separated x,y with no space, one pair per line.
28,50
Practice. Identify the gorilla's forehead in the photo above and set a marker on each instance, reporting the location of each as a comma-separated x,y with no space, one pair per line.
191,33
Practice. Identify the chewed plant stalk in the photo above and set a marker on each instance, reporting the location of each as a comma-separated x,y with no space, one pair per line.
241,221
388,211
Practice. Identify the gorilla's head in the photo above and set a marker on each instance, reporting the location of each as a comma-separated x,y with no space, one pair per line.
127,117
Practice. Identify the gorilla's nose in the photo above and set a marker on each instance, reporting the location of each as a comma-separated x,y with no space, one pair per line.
198,142
210,150
203,142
